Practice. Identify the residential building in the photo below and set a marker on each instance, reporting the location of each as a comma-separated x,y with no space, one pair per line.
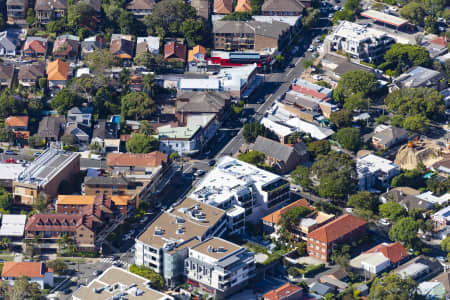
250,35
420,268
37,272
441,220
45,174
51,128
66,46
35,46
91,44
49,228
16,11
388,136
407,197
282,158
235,183
107,185
197,59
442,166
117,282
287,291
322,240
8,172
136,164
243,6
436,200
380,258
420,77
17,123
122,46
141,8
202,8
13,226
271,221
321,289
50,10
175,51
282,8
432,290
57,74
337,65
184,140
197,104
164,245
223,7
105,134
6,75
219,266
80,132
104,204
80,115
148,44
29,74
359,41
9,43
375,171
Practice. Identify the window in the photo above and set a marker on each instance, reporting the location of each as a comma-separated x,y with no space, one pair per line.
323,250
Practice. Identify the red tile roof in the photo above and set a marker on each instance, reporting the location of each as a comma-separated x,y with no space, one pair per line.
440,40
36,46
395,252
29,269
174,50
337,228
276,215
55,222
17,121
283,292
152,159
309,92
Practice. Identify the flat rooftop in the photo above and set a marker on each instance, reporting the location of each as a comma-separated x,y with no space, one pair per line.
384,18
46,166
229,176
373,163
116,281
186,132
356,32
216,248
10,171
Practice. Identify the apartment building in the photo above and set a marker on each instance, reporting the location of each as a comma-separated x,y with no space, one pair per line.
50,10
103,205
219,266
45,174
321,241
374,171
234,183
117,185
164,245
16,10
37,272
359,41
250,35
282,8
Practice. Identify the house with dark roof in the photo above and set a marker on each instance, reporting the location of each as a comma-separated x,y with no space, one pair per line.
91,44
16,11
442,166
408,198
35,46
106,135
37,272
122,46
420,77
66,46
29,74
322,240
141,8
287,291
281,157
50,10
51,128
198,103
6,75
420,268
174,51
223,7
108,185
9,43
386,137
80,132
81,115
282,8
49,228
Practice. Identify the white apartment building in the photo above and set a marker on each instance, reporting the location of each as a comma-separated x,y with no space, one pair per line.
255,192
219,267
360,41
164,245
374,170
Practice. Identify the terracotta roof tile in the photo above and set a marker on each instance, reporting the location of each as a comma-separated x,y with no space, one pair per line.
337,228
440,40
35,46
243,6
58,70
17,121
276,215
152,159
283,292
395,252
174,50
224,7
54,222
309,92
29,269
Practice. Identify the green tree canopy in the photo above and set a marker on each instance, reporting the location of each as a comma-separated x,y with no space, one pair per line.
356,102
342,118
445,244
140,143
414,12
411,178
79,14
392,287
355,82
363,200
238,16
349,138
319,147
9,104
58,265
137,105
290,218
392,211
99,61
401,57
253,157
156,280
252,130
64,100
301,176
405,230
6,199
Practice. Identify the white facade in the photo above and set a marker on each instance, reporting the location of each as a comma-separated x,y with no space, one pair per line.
375,263
184,140
373,170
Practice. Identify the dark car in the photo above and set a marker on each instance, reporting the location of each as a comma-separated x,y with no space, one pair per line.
67,291
291,65
212,162
10,152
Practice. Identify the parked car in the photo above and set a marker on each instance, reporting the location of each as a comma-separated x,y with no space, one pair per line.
211,163
291,65
21,161
384,222
36,154
10,161
10,152
199,173
294,189
317,77
97,272
311,49
143,220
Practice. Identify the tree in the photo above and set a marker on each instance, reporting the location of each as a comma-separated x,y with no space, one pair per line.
194,30
6,199
414,12
9,104
319,147
301,176
140,143
392,287
156,280
363,200
412,178
144,59
307,63
58,265
145,128
355,82
392,211
401,57
79,14
416,123
137,105
40,202
127,22
99,61
341,118
293,271
445,244
253,130
301,248
5,243
31,17
405,230
64,100
253,157
349,138
35,141
23,289
356,102
290,218
312,18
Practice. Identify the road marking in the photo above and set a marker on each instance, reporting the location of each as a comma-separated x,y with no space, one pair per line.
289,72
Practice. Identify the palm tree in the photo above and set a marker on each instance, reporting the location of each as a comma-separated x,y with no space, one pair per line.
148,84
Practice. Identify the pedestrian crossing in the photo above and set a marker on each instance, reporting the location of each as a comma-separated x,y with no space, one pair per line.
109,260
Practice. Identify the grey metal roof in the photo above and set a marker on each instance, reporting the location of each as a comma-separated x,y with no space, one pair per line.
106,180
388,134
320,288
417,76
272,30
278,150
204,102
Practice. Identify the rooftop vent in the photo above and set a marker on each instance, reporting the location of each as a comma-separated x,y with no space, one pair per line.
159,231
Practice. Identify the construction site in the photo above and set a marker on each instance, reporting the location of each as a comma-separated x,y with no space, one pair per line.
421,150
